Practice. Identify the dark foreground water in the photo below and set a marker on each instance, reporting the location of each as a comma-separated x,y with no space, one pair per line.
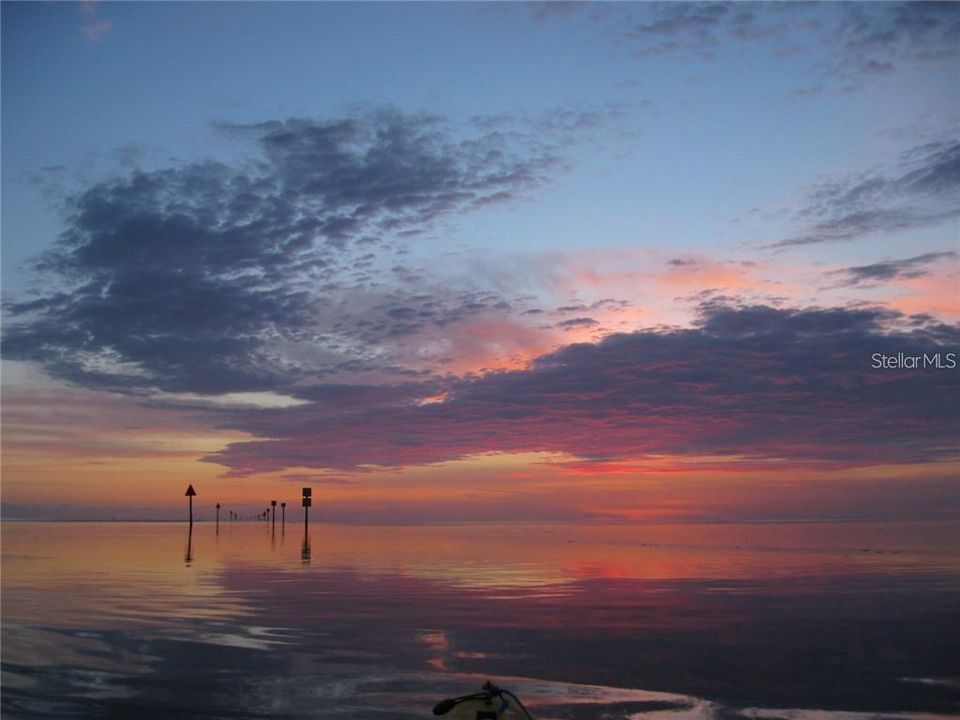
800,621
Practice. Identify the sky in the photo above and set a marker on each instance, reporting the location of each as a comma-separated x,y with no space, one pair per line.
569,262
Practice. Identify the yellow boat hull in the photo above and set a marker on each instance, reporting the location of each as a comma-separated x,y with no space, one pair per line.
485,710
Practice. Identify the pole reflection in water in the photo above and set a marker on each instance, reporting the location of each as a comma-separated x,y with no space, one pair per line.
305,550
188,556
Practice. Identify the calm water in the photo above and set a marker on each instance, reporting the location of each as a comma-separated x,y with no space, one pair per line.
770,621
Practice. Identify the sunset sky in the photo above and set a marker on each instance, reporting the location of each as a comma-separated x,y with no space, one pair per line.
468,261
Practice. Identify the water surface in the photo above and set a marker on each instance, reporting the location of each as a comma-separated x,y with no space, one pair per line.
805,621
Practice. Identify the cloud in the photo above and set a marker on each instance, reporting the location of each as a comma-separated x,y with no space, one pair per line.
875,273
873,39
390,170
678,27
316,479
209,278
922,190
545,12
47,424
704,30
574,323
94,28
754,382
854,42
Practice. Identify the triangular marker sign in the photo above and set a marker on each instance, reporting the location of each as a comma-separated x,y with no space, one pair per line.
190,491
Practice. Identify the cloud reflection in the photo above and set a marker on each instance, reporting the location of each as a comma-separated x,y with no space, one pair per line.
371,623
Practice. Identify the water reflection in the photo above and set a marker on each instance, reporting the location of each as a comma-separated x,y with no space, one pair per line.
188,555
383,621
305,549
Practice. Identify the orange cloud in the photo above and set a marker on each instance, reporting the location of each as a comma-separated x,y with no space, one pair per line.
491,342
66,445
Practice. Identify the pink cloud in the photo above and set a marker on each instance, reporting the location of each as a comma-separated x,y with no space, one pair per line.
490,341
94,28
97,30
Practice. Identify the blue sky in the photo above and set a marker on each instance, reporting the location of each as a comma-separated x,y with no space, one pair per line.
702,139
258,200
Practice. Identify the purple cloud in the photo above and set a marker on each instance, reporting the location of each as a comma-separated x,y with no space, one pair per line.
755,382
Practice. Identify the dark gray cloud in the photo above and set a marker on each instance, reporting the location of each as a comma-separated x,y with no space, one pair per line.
212,278
545,12
577,323
755,382
392,171
872,38
879,272
679,27
859,41
921,190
